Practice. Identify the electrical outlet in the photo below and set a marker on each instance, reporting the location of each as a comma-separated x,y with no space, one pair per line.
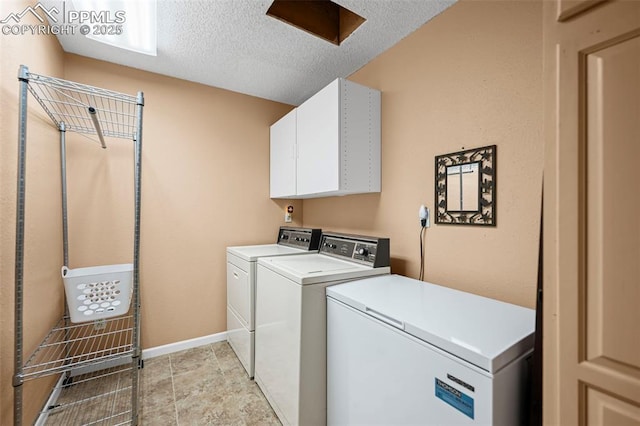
423,214
99,324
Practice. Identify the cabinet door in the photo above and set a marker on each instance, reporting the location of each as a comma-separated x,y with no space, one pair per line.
318,142
283,157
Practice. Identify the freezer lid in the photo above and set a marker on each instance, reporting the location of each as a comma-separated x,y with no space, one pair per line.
252,253
485,332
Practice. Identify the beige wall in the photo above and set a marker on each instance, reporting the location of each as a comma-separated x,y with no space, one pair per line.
43,236
471,77
205,186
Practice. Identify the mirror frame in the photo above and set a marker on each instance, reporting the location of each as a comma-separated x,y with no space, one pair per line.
486,213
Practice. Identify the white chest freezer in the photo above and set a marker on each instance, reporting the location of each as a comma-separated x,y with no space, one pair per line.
406,352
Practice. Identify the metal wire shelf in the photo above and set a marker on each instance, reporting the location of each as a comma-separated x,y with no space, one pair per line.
70,346
77,348
98,398
72,104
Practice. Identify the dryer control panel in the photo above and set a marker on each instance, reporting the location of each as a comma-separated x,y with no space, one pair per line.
371,251
302,238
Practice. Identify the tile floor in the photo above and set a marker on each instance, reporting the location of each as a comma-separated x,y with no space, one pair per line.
201,386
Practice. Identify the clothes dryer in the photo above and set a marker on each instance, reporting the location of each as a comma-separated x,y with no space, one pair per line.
241,285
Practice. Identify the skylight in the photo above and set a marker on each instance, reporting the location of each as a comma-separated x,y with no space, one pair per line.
126,24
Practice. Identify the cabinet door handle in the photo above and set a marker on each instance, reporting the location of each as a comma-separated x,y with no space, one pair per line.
235,275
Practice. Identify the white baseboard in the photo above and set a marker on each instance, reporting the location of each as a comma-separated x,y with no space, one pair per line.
182,345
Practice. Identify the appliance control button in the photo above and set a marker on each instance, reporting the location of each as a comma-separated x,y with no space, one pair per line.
363,251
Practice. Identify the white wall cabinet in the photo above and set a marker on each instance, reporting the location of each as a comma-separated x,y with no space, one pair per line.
336,144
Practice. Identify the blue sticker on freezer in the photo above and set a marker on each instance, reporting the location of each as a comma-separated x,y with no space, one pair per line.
452,396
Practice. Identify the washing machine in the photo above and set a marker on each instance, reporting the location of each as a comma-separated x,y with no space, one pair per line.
290,348
241,285
406,352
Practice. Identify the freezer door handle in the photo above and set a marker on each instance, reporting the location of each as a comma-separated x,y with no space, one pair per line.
384,318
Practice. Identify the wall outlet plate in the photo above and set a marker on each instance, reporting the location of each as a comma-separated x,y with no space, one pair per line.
424,216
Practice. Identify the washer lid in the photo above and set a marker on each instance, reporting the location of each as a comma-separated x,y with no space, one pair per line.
252,253
484,332
318,268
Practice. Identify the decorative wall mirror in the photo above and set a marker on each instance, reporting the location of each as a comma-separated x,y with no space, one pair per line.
466,187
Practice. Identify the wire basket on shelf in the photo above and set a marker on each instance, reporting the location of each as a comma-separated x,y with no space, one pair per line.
98,292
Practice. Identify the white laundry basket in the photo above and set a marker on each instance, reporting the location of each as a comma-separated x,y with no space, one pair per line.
98,292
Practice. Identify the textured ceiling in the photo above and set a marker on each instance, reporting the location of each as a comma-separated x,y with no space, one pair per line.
233,45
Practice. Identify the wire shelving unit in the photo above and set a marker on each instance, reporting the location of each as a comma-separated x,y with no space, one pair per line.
97,361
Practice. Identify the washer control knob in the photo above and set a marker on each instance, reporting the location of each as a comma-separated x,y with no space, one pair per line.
363,251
